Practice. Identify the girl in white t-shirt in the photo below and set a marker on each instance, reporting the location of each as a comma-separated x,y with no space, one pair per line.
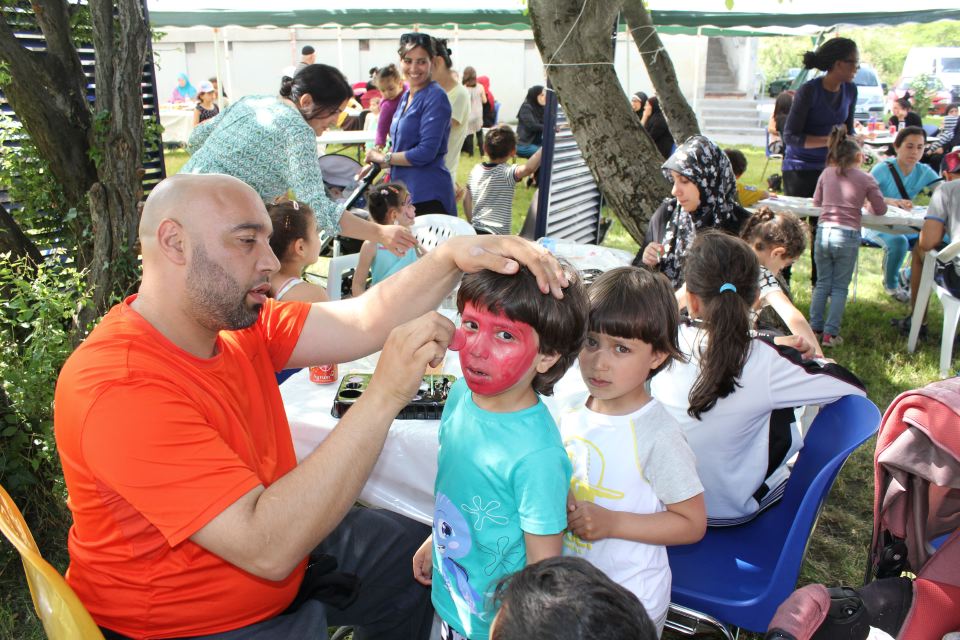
778,239
296,243
734,395
634,486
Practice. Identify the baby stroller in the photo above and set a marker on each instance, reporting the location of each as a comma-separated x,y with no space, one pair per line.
342,185
912,589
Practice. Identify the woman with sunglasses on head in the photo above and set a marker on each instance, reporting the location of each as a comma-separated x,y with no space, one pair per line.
818,106
420,131
270,142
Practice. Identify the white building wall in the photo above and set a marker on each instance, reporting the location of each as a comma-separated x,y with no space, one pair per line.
256,58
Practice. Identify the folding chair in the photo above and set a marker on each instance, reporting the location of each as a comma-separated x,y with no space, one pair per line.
58,607
737,576
951,305
434,229
770,156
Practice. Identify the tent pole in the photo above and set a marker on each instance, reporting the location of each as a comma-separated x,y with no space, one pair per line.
226,62
701,60
340,48
216,61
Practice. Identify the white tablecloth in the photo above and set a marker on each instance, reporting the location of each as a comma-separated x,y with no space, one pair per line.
361,137
177,124
896,220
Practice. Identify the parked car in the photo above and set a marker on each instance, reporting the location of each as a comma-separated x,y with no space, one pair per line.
939,100
942,65
870,94
783,82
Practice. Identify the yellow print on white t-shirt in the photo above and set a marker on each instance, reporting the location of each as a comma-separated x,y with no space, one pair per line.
587,481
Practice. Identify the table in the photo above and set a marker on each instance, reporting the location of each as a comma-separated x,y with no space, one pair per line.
177,123
360,137
896,220
882,140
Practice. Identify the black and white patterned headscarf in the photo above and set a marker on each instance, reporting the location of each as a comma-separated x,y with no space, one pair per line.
702,162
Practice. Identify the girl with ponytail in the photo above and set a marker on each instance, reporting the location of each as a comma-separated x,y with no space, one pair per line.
734,395
389,204
840,193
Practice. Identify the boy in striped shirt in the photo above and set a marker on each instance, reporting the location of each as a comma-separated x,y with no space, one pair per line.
488,202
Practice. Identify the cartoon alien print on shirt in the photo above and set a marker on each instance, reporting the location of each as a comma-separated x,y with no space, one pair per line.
451,538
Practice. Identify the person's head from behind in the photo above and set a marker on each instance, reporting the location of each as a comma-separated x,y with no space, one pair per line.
843,152
212,269
295,239
901,107
389,82
775,182
638,101
909,145
567,598
389,203
950,166
839,57
469,77
308,54
702,176
722,276
500,143
516,337
417,54
738,161
781,106
320,92
631,336
778,239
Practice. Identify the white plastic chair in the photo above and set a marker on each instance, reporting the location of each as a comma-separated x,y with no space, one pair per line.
337,267
951,306
434,229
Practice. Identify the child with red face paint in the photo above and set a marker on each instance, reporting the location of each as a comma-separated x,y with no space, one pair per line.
635,487
503,475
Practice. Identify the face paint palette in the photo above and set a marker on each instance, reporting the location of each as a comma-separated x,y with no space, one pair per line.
427,404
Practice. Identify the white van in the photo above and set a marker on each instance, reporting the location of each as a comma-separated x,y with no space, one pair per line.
942,63
870,94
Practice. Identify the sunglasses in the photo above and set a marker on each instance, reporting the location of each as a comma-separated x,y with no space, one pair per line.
417,39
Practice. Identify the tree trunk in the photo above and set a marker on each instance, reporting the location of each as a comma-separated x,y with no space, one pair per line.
680,117
14,240
121,45
574,42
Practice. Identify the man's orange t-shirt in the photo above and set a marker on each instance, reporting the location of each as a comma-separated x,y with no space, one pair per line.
155,443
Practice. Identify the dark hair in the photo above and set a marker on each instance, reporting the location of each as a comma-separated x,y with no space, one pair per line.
388,72
904,133
768,229
373,70
638,304
290,223
412,40
714,261
383,197
774,182
323,83
952,105
782,104
499,142
567,598
560,324
903,103
830,52
842,150
307,50
469,76
443,51
654,103
738,161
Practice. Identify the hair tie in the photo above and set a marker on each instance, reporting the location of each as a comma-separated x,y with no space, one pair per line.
726,286
296,205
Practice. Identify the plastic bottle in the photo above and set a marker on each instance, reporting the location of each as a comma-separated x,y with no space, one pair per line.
872,123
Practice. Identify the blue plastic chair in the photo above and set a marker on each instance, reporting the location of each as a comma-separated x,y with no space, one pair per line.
931,130
738,576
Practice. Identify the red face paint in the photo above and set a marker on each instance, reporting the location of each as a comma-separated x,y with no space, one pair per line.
496,350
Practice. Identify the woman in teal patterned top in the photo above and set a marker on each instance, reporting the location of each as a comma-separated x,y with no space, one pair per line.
270,143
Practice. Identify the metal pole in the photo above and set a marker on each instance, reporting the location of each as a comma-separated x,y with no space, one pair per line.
216,60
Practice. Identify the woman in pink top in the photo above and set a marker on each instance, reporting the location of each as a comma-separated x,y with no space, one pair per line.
840,193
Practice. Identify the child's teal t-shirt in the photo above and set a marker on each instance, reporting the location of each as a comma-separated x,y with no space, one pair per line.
386,263
499,475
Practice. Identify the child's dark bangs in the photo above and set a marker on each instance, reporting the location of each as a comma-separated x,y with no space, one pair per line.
616,314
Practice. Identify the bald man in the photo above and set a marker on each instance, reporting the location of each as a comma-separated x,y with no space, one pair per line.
191,515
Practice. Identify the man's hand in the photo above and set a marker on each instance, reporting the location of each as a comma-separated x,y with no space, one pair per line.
397,239
407,352
651,254
505,254
590,522
423,563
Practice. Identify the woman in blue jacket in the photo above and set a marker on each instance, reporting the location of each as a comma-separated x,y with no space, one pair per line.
419,131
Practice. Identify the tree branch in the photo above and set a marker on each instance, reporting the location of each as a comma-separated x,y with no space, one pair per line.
680,116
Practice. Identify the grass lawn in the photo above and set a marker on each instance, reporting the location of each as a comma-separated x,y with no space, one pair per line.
872,350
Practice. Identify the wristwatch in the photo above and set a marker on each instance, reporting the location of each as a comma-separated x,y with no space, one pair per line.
387,157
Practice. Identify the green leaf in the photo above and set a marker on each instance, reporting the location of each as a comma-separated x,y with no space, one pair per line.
9,431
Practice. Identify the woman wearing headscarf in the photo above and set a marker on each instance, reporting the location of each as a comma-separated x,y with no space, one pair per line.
704,197
184,91
656,125
530,122
270,142
489,106
638,102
